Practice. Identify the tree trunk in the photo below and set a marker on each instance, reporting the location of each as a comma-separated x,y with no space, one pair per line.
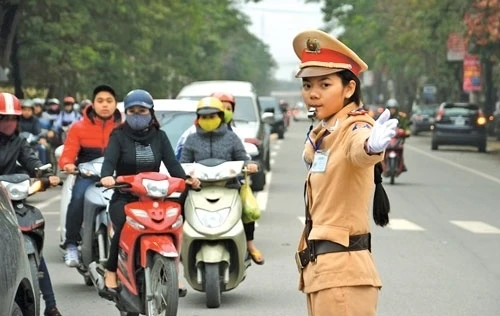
489,93
16,69
8,31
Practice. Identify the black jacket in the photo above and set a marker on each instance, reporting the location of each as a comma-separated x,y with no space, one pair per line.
120,155
14,149
31,125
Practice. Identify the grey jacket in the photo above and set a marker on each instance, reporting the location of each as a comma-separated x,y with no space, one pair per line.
220,144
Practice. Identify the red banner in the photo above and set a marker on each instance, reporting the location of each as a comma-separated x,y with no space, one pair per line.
472,73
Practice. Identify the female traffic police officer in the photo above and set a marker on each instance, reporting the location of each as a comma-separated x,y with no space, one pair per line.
336,267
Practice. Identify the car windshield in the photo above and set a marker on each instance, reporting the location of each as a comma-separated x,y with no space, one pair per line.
244,110
174,123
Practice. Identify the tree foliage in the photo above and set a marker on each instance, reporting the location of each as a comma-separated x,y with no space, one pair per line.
70,46
404,41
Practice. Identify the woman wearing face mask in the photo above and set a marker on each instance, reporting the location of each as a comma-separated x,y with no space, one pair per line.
228,103
213,140
138,145
337,272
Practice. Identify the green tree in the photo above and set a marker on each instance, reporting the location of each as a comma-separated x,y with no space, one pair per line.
68,47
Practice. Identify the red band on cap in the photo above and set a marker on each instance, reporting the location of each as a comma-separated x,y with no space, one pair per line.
330,56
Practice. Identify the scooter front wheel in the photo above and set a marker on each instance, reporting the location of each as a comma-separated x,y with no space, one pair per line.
212,285
164,285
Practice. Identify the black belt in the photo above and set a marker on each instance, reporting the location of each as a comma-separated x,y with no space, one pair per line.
319,247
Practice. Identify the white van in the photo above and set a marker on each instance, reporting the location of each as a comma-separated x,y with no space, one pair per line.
250,125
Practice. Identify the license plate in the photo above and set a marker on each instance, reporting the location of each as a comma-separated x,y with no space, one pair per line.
460,121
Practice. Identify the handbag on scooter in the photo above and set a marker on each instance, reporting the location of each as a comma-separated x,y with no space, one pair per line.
251,210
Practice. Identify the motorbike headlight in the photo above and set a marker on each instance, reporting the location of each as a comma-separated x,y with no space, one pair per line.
17,191
212,219
155,188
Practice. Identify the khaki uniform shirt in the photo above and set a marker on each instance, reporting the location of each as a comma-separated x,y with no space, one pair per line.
339,201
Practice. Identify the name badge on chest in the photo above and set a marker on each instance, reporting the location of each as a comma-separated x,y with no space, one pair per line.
320,161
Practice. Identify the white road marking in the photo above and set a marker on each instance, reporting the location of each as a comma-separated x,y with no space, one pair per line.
477,227
262,199
46,203
403,224
273,154
454,164
302,219
272,161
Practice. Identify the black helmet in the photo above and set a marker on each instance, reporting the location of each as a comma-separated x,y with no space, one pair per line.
138,97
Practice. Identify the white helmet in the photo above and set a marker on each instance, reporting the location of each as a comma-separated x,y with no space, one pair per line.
392,103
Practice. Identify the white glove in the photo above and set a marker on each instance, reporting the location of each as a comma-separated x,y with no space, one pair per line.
382,132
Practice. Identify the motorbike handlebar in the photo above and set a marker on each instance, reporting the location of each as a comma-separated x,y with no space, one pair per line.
122,185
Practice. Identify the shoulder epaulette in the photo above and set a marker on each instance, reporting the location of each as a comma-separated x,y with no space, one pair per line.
357,112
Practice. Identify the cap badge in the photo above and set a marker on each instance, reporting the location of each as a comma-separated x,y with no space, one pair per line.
312,46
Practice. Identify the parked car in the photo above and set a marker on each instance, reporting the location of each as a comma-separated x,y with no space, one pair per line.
423,117
250,123
459,124
17,296
272,105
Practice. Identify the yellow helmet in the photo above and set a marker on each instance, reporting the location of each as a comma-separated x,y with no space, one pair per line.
209,105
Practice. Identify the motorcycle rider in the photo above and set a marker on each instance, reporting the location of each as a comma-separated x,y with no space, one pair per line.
214,140
83,104
43,117
86,140
403,122
137,145
229,103
67,116
28,122
16,149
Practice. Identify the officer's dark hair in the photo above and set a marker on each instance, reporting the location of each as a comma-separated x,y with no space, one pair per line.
381,205
346,76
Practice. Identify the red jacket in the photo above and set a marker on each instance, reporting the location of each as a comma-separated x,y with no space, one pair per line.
87,139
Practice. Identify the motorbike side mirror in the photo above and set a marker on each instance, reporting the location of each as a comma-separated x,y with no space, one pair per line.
268,118
45,167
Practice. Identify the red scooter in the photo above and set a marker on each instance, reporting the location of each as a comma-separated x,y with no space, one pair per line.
149,246
393,164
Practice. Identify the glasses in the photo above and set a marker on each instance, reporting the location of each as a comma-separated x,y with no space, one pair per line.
138,110
8,117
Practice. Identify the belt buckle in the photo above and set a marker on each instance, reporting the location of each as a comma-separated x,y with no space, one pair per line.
298,262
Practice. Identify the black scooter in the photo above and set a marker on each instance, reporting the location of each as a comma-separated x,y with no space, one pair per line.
30,219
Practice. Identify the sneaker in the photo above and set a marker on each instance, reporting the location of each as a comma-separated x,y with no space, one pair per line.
52,312
71,258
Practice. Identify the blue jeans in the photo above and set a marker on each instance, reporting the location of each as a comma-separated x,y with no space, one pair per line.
46,286
74,215
42,154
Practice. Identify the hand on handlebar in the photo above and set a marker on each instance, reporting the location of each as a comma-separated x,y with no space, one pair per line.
252,167
194,183
69,168
108,181
54,180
